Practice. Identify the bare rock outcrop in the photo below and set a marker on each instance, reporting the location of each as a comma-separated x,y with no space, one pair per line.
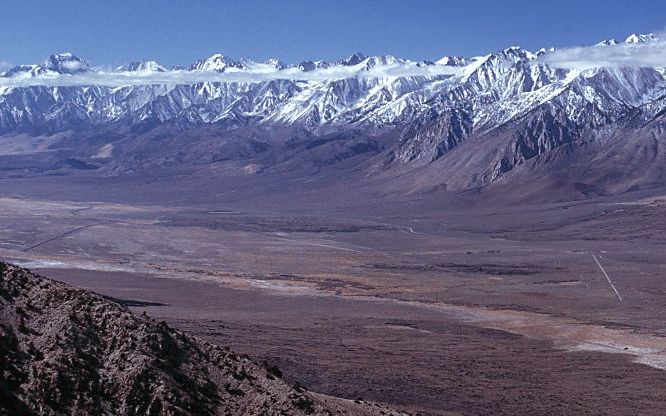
68,351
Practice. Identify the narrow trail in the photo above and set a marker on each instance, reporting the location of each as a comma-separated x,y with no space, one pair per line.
310,243
607,277
59,236
77,212
402,228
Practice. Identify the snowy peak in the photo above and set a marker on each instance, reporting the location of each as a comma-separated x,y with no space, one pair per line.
142,66
646,38
217,63
374,61
275,63
631,40
24,70
516,54
544,51
307,66
65,63
452,61
509,56
608,42
353,59
61,63
358,59
364,90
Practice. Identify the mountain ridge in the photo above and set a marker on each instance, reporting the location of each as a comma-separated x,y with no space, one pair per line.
514,97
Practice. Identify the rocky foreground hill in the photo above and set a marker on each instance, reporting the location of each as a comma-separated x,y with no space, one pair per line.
68,351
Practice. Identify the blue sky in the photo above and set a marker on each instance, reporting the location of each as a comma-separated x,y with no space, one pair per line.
180,31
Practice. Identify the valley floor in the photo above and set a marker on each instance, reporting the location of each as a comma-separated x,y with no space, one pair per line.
430,306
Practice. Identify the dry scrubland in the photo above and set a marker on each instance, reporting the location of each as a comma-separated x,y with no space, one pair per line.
427,304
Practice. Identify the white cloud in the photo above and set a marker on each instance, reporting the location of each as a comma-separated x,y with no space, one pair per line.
5,65
651,54
73,65
182,77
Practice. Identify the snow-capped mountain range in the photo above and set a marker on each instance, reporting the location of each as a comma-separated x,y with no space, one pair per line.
522,105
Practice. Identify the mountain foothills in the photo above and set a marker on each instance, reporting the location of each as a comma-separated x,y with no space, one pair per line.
457,124
68,351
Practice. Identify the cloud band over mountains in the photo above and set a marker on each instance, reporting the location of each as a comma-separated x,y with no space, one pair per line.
186,77
649,54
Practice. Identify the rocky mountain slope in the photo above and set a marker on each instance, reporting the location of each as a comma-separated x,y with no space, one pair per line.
68,351
470,121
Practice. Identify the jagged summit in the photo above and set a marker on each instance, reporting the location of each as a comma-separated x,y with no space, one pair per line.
544,51
65,63
452,61
632,39
216,62
644,38
60,63
276,63
142,66
354,59
608,42
307,66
